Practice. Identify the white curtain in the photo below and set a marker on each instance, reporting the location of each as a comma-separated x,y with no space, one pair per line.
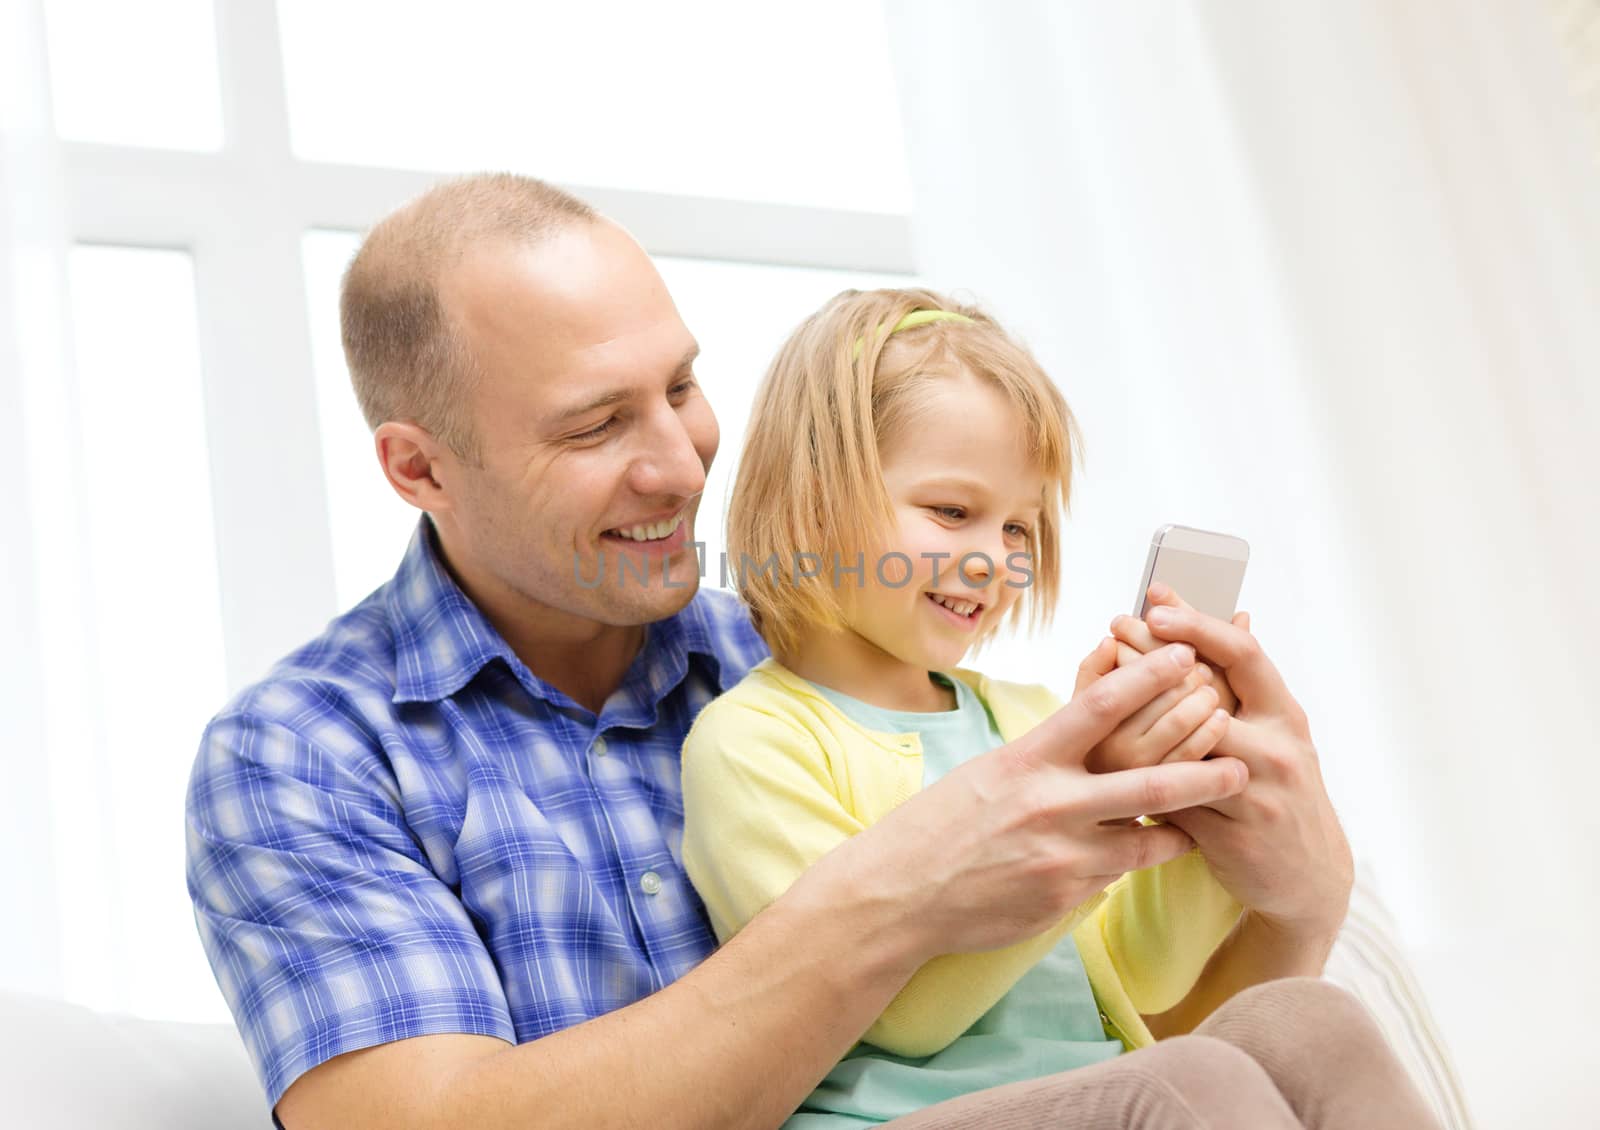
1326,276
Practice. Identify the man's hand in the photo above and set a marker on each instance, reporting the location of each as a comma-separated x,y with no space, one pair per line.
1277,847
1134,638
1005,845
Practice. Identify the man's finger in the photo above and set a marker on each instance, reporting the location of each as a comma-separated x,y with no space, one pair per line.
1123,849
1067,736
1162,788
1249,671
1204,823
1248,742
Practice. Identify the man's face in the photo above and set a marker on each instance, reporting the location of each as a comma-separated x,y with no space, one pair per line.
594,437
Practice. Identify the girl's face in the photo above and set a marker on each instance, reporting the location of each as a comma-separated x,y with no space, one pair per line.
961,485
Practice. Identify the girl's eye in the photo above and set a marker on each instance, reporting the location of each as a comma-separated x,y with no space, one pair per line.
954,513
1016,529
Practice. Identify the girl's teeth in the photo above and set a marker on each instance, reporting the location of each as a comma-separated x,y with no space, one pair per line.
959,607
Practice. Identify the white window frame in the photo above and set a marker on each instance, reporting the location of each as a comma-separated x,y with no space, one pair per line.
240,213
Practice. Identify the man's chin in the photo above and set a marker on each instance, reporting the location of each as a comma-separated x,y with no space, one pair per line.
637,603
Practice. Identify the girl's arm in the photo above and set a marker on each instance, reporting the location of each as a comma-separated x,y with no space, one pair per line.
760,807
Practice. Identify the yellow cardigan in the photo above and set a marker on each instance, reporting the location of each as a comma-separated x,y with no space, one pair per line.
775,776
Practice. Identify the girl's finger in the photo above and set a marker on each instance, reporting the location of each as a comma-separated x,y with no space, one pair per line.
1101,661
1134,633
1147,717
1173,727
1202,740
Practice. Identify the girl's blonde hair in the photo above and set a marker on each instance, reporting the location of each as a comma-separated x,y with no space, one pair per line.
809,487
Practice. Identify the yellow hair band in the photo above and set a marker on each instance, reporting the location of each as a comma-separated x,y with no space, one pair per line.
913,319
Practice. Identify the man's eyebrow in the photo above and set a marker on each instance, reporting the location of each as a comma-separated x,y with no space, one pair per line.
604,400
617,395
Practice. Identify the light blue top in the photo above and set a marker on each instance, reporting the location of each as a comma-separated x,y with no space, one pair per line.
1048,1022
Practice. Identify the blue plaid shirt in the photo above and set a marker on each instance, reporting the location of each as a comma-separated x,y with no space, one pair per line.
403,831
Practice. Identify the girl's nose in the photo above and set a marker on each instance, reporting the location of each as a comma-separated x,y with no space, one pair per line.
977,566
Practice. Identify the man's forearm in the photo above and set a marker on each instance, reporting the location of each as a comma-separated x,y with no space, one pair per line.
1254,952
736,1044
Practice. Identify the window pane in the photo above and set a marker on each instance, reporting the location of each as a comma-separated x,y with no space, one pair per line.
135,74
739,313
154,673
790,103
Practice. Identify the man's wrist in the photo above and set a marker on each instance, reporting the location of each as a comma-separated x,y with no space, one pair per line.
1298,949
877,931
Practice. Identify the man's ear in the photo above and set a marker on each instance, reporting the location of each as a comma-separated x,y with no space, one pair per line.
412,460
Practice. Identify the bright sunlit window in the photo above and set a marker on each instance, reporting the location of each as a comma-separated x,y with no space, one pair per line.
176,421
784,103
153,674
135,74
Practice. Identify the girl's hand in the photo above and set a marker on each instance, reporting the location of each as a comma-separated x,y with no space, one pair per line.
1135,639
1181,724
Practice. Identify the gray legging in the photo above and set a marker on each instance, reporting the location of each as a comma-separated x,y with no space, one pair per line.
1294,1053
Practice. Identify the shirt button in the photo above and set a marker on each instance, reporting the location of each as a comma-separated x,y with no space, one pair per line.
650,883
599,747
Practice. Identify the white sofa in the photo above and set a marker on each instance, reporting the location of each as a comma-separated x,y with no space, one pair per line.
65,1067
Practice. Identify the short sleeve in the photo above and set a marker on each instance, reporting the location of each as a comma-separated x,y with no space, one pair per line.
325,925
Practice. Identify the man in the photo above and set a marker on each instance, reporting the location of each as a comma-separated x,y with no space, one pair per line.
434,854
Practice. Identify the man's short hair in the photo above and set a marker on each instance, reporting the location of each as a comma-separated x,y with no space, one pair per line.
407,359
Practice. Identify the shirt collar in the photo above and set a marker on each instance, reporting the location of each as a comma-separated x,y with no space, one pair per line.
442,639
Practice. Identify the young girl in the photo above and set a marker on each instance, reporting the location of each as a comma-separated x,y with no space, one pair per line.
898,501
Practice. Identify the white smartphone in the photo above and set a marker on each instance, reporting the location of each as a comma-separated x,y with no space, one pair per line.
1206,569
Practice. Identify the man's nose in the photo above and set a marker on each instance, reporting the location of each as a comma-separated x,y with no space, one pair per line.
667,462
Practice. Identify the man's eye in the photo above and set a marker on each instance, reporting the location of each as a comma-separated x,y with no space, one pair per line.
681,388
597,431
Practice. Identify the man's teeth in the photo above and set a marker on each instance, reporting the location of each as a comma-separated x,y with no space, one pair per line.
654,532
959,607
